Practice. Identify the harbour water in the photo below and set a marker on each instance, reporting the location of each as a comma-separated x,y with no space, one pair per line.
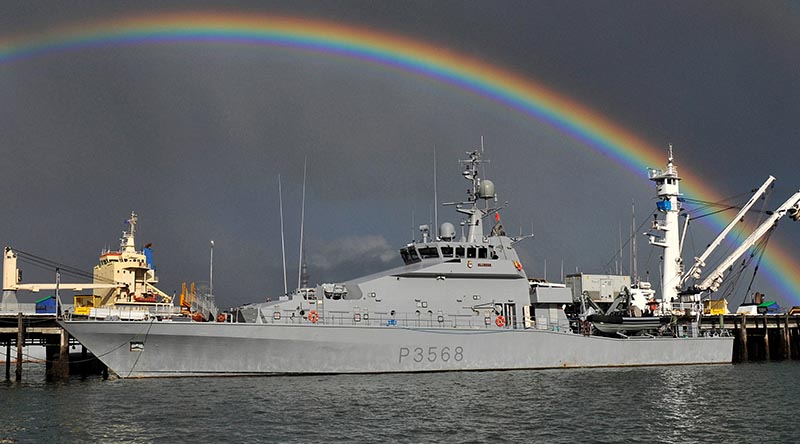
714,404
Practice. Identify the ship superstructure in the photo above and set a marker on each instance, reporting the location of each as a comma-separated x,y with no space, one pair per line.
444,281
667,192
678,296
132,271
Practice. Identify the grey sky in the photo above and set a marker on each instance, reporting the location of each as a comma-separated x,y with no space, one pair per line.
193,136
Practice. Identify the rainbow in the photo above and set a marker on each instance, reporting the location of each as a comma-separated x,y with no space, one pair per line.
507,88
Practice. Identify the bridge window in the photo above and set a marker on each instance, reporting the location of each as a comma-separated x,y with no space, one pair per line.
460,252
409,255
470,252
429,252
482,253
447,251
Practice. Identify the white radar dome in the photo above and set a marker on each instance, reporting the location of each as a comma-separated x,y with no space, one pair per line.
486,190
447,231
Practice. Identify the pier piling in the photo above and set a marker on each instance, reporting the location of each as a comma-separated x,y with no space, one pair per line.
61,365
785,346
743,355
8,360
20,343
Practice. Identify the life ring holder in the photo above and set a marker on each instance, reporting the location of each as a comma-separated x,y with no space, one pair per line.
500,321
313,316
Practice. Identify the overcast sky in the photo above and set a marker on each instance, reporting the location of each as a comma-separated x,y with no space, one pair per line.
193,136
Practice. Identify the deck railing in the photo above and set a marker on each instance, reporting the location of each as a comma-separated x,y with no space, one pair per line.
339,318
403,320
127,313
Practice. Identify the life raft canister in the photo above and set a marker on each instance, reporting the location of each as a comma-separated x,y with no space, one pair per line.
313,316
500,321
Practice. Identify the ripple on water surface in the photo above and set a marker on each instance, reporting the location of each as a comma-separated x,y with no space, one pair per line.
726,403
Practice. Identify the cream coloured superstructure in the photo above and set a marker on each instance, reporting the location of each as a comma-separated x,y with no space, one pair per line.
131,271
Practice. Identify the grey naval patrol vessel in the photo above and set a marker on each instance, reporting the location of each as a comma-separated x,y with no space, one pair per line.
458,302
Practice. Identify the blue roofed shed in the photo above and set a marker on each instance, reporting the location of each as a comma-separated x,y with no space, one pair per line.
47,305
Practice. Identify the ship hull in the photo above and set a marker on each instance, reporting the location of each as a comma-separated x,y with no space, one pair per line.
171,349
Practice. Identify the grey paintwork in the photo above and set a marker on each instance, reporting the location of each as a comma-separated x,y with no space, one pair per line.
164,348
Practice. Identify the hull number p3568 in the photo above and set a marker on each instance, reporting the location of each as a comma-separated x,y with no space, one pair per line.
431,354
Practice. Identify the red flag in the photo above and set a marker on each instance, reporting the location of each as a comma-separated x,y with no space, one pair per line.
497,217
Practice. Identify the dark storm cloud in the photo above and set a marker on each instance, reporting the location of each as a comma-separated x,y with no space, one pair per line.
193,136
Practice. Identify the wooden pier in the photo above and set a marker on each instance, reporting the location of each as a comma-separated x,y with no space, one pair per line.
768,337
25,330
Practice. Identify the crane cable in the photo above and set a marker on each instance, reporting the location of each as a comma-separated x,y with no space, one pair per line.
48,264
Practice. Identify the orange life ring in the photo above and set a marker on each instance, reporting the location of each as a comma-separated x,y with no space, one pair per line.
221,317
313,316
500,321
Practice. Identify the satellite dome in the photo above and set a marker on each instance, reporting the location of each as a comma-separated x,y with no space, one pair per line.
486,190
447,231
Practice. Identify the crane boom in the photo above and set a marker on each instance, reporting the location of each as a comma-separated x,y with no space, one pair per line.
75,287
11,278
791,206
700,262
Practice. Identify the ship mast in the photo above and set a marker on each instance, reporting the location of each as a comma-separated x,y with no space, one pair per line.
302,224
667,192
481,189
128,245
634,263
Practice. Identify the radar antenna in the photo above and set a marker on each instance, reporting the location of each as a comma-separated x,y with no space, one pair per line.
480,189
